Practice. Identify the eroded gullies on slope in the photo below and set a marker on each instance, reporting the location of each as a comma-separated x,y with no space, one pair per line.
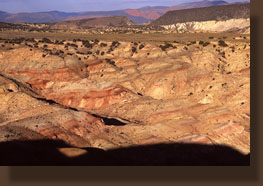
181,92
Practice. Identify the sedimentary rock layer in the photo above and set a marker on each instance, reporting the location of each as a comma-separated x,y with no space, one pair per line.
115,94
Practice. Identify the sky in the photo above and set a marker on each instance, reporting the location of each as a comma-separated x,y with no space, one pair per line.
15,6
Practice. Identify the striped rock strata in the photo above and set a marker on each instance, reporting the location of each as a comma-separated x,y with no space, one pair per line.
190,93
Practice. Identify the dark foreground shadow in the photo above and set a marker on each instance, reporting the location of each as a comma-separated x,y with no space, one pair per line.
45,152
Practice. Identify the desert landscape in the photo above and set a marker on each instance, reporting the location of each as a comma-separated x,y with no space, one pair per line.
109,91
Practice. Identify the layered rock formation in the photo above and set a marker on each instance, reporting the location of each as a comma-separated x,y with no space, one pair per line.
226,18
117,94
213,13
232,25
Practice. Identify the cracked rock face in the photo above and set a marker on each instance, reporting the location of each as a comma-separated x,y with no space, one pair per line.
131,95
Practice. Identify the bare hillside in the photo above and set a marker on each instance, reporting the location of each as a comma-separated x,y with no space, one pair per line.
114,21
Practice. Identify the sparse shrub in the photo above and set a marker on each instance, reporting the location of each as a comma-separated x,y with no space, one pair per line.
103,45
110,50
141,46
222,43
223,54
72,45
134,50
206,44
87,44
164,47
115,44
110,61
224,84
96,41
46,40
191,43
81,53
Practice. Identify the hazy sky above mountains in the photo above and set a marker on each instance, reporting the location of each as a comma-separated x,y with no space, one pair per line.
14,6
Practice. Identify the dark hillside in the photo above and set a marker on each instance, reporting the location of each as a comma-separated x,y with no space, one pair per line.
199,4
115,21
217,13
3,15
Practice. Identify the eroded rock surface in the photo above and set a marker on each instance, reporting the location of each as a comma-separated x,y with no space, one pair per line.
116,94
231,25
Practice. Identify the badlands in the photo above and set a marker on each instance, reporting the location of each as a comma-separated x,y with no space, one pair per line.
160,99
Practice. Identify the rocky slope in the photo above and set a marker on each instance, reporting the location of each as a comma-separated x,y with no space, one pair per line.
109,95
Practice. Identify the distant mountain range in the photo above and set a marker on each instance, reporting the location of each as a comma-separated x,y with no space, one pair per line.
138,16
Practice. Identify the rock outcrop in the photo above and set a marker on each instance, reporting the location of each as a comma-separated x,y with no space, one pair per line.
230,26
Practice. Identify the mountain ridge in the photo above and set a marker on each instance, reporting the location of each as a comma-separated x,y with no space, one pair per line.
138,16
217,13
